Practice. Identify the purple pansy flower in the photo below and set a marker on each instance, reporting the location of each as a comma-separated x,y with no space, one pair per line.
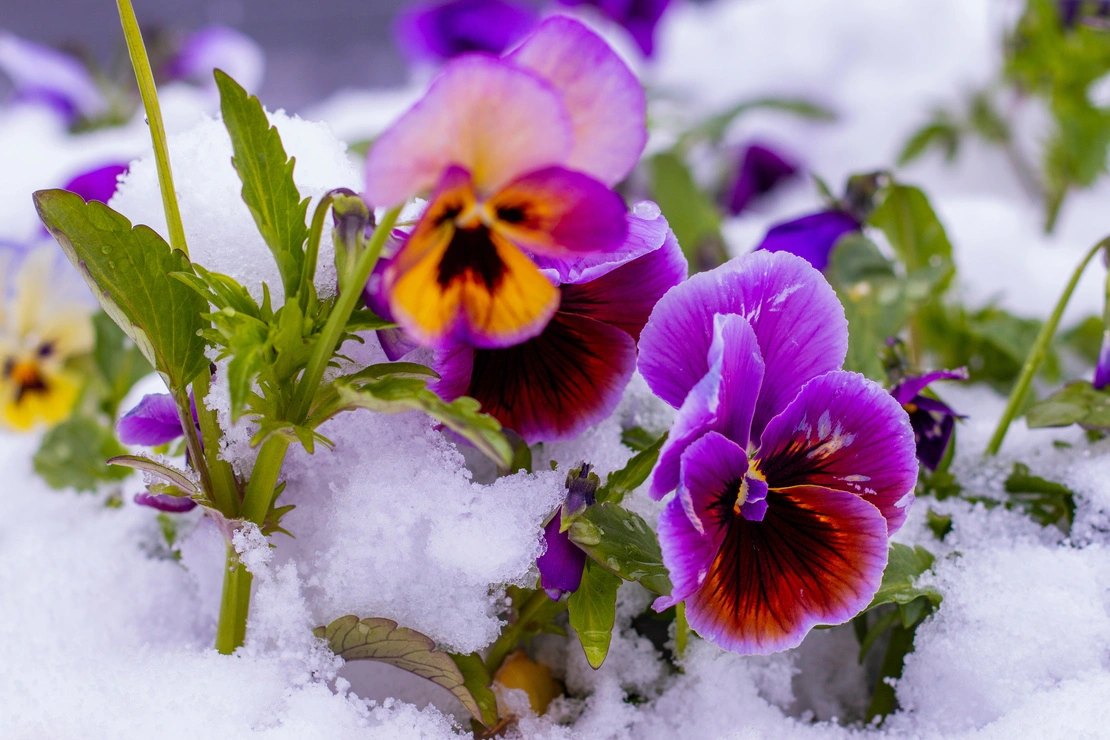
790,472
97,184
562,562
811,237
154,421
1102,366
760,170
572,375
932,420
639,17
437,32
218,47
44,75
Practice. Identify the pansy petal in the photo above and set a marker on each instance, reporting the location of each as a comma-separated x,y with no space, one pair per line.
816,558
723,401
99,184
154,421
909,388
164,502
606,102
494,119
438,31
798,322
625,296
810,237
933,422
846,433
550,387
556,211
761,170
562,563
1102,366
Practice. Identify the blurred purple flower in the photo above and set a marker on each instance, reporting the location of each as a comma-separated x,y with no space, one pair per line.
1102,367
218,47
47,76
437,32
639,17
760,170
932,420
99,184
811,237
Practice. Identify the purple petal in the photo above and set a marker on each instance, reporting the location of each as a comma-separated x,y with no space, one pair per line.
760,171
912,386
165,502
639,17
562,563
845,433
154,421
933,422
99,184
797,319
1102,367
223,48
811,237
723,401
437,32
395,342
39,72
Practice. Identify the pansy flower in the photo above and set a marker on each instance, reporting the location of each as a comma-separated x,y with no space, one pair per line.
811,237
639,17
439,31
42,75
153,422
761,169
790,472
562,562
217,47
39,333
933,420
519,154
572,375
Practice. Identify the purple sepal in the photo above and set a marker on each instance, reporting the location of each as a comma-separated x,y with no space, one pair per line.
761,170
99,184
639,17
1102,367
811,237
439,31
154,421
561,565
165,502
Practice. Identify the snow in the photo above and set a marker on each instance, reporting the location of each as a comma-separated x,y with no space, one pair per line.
104,634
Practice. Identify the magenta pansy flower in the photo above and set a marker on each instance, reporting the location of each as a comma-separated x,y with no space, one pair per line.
933,421
639,17
761,170
790,473
811,237
440,31
518,154
571,376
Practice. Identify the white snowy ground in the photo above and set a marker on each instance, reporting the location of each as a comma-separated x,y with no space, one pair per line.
103,636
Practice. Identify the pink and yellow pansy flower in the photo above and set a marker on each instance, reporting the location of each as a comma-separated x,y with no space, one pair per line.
519,154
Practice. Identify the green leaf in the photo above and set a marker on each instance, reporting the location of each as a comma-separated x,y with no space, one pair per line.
911,226
382,640
128,269
1086,338
632,475
622,543
714,128
690,212
940,524
940,133
72,455
267,176
638,439
593,610
904,565
366,320
476,680
1075,403
170,475
120,362
1046,502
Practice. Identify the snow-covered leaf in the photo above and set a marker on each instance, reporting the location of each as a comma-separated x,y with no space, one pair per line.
623,543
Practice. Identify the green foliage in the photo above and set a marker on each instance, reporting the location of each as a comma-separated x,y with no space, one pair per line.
904,565
1046,502
1085,338
72,455
477,680
382,640
128,270
632,475
593,610
118,360
1075,403
621,542
532,613
942,132
638,439
267,176
690,212
910,224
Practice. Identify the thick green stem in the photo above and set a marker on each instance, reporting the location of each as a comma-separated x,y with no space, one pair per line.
234,604
222,485
312,247
264,478
1037,353
149,93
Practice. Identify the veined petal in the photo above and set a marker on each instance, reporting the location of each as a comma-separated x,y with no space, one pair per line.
816,558
493,118
550,387
798,322
844,432
605,100
154,421
723,401
562,563
933,422
556,211
909,388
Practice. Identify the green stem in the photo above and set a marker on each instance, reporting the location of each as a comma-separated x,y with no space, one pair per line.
234,604
149,93
264,478
224,489
312,249
192,442
336,325
883,699
509,639
1038,352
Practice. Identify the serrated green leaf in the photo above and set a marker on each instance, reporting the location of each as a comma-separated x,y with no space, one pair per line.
904,565
623,543
477,681
593,610
128,270
632,475
382,640
73,454
267,176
